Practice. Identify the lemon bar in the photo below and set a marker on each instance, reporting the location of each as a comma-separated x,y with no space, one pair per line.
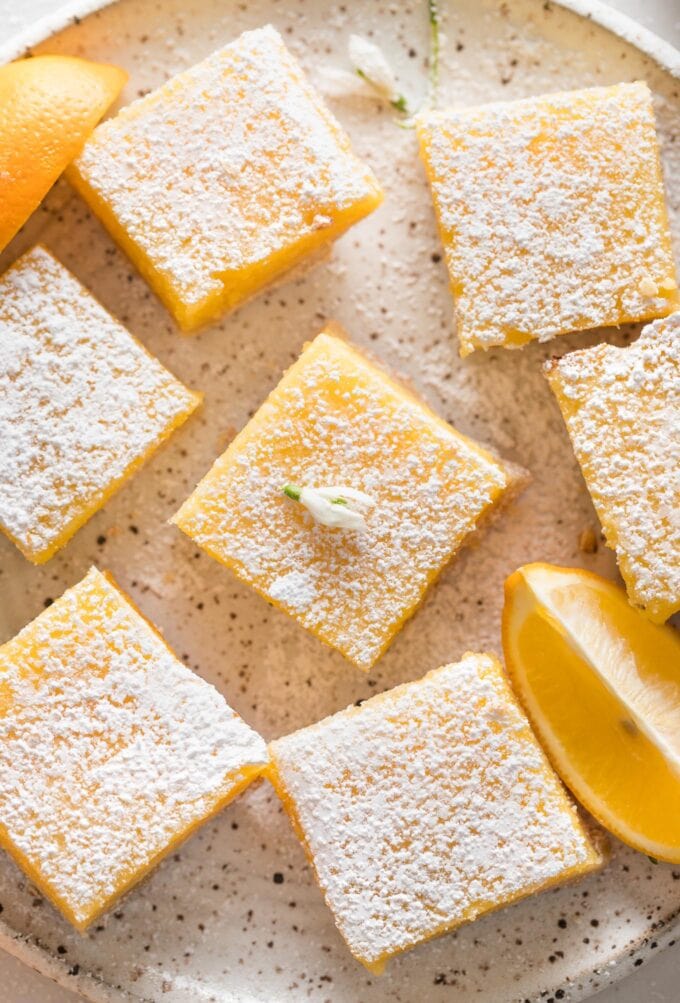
426,807
622,411
552,214
224,178
335,418
82,405
111,750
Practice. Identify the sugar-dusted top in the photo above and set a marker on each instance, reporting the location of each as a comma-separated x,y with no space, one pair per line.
225,165
110,749
80,403
552,213
426,806
337,419
622,410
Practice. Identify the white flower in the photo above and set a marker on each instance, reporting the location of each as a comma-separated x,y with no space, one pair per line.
330,505
342,84
373,69
370,63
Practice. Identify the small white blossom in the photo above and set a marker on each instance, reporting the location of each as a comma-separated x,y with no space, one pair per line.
372,69
341,84
330,505
370,63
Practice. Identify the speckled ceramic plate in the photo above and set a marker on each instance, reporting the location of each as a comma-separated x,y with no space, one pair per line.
235,914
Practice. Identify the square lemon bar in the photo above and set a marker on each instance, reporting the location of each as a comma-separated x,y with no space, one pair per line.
552,214
622,411
82,405
335,419
111,750
426,807
224,178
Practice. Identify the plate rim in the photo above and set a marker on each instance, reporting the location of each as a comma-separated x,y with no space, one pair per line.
35,955
627,28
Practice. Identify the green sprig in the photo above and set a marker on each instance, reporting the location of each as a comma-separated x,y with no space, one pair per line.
432,98
399,103
435,48
292,491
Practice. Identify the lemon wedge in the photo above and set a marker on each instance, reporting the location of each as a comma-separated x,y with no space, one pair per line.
601,686
49,105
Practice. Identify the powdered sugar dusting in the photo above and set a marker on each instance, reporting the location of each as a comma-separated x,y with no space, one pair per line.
110,749
382,285
225,166
622,410
552,214
336,418
426,806
81,403
295,590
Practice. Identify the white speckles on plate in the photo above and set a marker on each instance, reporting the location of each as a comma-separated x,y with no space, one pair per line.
238,915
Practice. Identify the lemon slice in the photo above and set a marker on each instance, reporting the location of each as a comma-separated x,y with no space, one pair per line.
49,105
601,685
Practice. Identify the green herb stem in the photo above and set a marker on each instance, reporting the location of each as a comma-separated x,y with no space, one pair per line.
292,491
432,99
435,44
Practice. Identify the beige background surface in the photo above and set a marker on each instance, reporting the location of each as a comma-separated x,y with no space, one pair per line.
656,982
